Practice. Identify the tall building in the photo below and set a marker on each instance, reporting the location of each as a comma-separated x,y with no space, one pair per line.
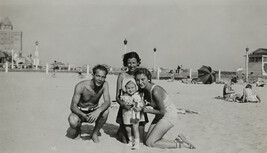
9,39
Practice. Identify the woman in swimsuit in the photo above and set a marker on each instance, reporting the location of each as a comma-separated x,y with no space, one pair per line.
159,104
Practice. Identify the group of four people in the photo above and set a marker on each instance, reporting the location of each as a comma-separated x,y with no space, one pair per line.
137,95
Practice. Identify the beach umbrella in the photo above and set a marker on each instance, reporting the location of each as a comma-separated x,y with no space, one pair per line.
3,55
206,75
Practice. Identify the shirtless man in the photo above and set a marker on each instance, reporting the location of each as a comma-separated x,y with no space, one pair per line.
85,103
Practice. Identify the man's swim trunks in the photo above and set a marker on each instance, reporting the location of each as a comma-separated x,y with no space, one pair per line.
87,110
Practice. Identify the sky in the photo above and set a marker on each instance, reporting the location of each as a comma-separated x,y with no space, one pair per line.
184,32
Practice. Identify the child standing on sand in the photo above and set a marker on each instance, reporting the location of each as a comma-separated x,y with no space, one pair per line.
132,116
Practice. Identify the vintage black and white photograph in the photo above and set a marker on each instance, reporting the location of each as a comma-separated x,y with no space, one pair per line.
122,76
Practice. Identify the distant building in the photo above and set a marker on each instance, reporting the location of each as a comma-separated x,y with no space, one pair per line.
257,63
9,39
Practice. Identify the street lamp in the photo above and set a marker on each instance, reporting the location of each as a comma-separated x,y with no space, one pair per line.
247,49
12,58
36,43
154,67
36,55
125,44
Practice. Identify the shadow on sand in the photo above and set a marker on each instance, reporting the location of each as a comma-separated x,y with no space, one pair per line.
219,97
87,130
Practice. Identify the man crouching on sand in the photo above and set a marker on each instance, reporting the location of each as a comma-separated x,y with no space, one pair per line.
85,103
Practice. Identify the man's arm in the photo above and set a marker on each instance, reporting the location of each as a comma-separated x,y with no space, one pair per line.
106,98
75,100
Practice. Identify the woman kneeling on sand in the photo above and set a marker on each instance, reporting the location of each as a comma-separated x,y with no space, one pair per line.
249,95
158,103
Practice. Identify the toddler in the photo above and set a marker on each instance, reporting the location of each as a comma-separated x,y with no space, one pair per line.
132,117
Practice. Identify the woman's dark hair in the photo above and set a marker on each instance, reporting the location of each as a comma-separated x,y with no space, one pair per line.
144,71
248,86
234,80
131,55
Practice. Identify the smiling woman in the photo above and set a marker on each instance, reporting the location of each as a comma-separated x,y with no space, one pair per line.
131,61
164,110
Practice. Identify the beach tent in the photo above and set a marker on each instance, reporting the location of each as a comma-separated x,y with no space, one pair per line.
206,75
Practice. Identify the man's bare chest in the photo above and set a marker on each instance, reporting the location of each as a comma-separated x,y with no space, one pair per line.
89,94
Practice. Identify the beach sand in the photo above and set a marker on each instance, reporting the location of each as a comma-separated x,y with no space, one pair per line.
35,107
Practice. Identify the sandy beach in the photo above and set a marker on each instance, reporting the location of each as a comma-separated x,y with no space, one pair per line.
35,106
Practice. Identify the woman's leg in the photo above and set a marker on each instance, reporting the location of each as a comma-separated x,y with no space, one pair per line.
129,131
122,134
151,127
141,128
154,139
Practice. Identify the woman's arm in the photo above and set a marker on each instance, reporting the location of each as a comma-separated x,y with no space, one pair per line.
118,92
119,88
258,97
244,95
158,95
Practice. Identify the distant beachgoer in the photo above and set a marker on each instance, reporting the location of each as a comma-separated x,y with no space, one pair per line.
158,103
131,61
85,105
178,69
172,75
260,82
80,74
228,92
249,95
188,80
132,117
55,68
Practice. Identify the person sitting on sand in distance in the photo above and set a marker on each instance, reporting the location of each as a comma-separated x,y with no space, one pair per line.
228,92
85,103
131,61
249,95
158,103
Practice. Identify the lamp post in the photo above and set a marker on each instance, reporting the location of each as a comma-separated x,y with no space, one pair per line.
154,64
247,49
12,58
36,55
125,45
